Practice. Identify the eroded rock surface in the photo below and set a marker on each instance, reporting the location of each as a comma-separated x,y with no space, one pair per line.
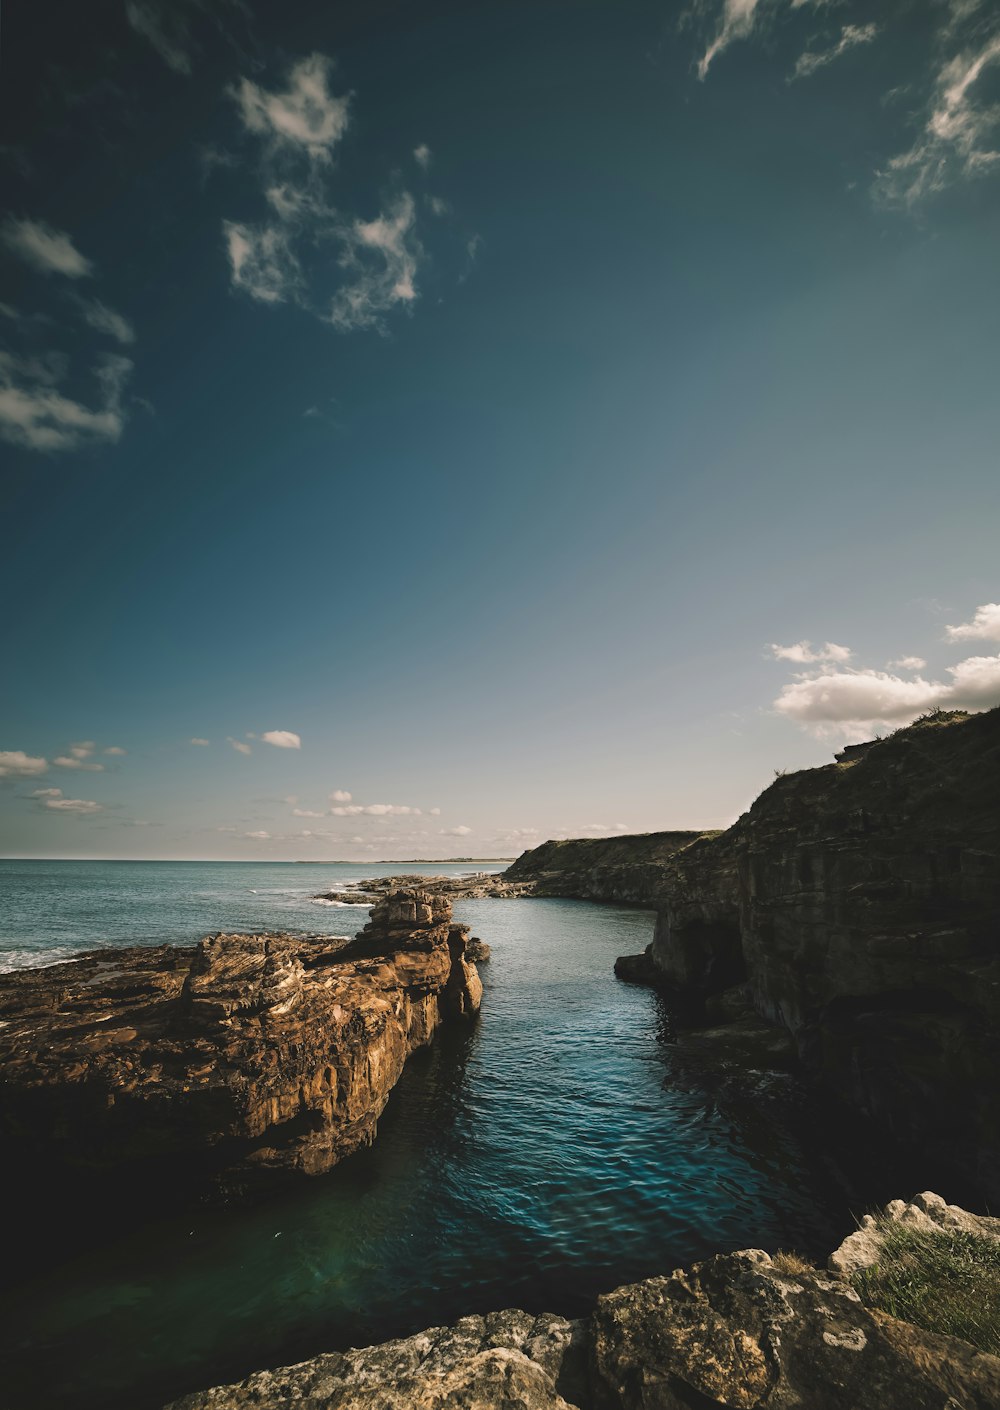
926,1212
635,869
859,904
507,1360
737,1332
475,887
240,1058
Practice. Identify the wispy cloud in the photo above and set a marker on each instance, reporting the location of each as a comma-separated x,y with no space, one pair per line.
35,414
116,750
985,625
961,127
460,831
305,115
850,37
204,743
45,248
281,739
348,271
106,320
15,763
70,761
239,745
53,799
379,810
908,663
381,257
165,28
422,155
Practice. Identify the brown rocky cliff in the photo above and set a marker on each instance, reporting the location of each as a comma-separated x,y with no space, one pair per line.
632,868
860,904
244,1057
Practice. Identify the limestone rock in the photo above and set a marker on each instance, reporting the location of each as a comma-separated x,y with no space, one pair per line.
736,1332
507,1359
926,1211
227,1063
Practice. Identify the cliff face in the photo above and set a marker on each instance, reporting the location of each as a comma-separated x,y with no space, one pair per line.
860,903
633,869
242,1057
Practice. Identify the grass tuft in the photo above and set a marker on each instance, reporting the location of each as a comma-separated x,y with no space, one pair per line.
792,1264
944,1281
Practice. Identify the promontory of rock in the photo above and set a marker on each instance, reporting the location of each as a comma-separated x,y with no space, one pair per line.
226,1063
740,1330
858,906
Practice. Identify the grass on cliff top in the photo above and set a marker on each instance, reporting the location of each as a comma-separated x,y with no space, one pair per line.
942,1281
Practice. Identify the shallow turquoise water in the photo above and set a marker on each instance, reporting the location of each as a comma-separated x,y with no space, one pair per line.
557,1147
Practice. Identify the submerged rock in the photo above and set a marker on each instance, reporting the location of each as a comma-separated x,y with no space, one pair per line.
740,1330
240,1058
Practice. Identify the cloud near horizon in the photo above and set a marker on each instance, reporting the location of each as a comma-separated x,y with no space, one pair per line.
52,798
803,653
839,699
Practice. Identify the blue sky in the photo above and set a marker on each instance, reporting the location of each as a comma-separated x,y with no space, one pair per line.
539,419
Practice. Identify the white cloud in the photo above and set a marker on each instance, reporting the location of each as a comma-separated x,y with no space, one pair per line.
961,128
306,116
52,798
460,831
239,745
259,836
34,414
434,812
165,28
116,750
262,262
202,742
106,320
852,702
281,739
985,625
422,155
381,257
803,653
15,763
83,749
50,250
306,813
737,21
908,663
376,810
340,795
73,761
850,37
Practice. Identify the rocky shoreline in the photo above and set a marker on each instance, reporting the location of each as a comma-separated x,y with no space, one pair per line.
744,1330
226,1065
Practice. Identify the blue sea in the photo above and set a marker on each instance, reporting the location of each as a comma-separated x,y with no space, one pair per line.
560,1145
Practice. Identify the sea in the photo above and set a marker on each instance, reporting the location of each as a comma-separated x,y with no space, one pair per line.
558,1146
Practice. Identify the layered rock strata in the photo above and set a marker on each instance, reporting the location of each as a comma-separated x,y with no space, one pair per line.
741,1330
858,905
242,1057
634,870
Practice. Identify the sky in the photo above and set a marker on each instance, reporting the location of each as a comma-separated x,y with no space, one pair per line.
431,428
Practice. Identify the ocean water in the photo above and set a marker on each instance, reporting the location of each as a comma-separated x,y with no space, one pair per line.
556,1147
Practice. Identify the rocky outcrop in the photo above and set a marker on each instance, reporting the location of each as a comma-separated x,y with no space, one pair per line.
740,1330
926,1212
475,887
860,905
634,869
242,1058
